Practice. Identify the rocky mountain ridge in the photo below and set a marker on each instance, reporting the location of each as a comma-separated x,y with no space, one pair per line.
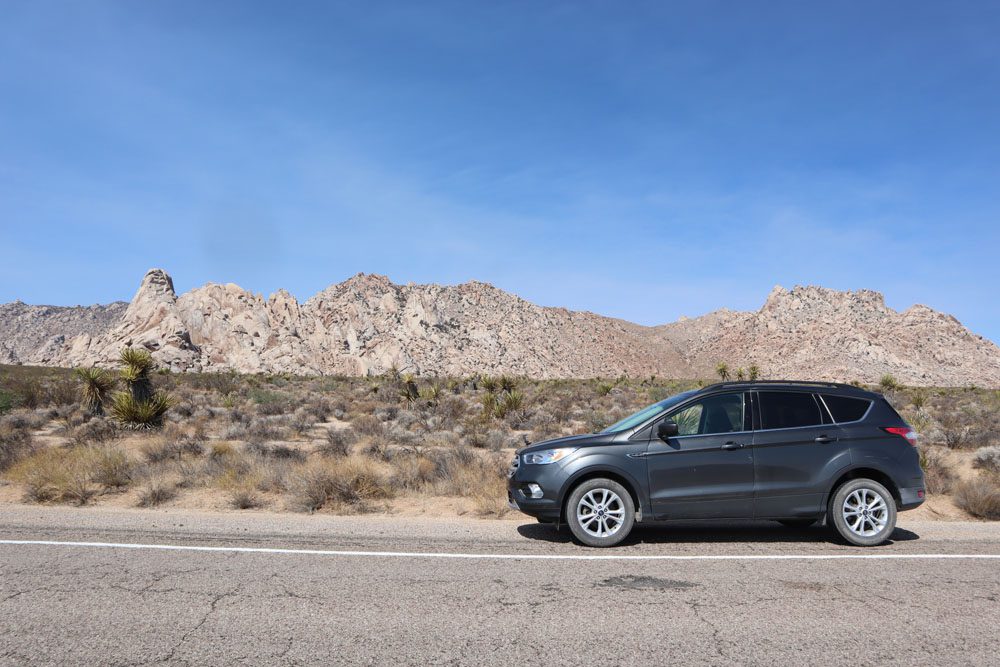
367,324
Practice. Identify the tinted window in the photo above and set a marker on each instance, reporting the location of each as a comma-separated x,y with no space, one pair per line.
715,414
845,409
787,409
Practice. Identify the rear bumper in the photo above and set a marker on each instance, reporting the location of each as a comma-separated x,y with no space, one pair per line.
911,498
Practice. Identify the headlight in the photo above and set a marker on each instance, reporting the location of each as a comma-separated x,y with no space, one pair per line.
547,456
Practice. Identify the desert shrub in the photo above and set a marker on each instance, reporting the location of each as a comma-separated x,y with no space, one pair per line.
302,421
272,403
280,451
352,482
94,432
368,425
221,450
8,401
980,497
15,443
938,475
156,492
954,429
497,439
167,448
338,442
888,383
259,430
987,458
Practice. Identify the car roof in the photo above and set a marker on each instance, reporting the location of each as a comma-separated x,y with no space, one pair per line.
837,388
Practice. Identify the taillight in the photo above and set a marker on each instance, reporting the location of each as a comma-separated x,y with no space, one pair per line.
904,432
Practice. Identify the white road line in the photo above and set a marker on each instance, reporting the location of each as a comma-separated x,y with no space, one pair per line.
419,554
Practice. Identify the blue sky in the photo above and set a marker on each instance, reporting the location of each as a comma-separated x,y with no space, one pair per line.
640,160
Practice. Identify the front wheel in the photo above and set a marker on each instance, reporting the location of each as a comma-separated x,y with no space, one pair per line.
863,512
600,512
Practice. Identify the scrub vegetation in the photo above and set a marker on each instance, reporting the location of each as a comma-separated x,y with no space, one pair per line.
394,443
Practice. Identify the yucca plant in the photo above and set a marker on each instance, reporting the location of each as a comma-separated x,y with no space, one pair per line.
490,385
722,368
96,385
140,406
753,373
507,383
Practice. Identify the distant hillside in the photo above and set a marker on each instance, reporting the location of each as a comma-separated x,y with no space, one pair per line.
368,324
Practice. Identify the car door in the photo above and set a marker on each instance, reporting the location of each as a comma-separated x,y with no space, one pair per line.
796,449
706,471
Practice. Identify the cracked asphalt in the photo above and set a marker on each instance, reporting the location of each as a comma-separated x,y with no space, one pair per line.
111,606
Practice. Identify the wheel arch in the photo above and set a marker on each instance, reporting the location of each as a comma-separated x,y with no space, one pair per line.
875,474
600,473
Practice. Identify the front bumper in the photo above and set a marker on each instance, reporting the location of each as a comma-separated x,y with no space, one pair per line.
547,478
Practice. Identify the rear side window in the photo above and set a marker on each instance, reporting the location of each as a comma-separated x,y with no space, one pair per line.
788,409
845,408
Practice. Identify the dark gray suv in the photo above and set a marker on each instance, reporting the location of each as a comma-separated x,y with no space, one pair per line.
795,452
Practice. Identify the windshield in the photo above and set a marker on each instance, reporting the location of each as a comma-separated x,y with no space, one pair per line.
648,413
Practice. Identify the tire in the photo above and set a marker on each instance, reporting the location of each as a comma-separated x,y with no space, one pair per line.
611,508
797,524
863,512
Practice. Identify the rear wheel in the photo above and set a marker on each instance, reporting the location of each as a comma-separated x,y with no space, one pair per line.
600,512
796,524
863,512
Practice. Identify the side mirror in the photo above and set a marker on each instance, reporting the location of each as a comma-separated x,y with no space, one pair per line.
667,429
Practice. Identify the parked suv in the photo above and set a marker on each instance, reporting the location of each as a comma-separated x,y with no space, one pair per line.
795,452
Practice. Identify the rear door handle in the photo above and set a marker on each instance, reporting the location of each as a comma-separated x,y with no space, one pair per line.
823,439
732,445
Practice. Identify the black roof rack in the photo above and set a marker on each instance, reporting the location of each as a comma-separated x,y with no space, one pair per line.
810,383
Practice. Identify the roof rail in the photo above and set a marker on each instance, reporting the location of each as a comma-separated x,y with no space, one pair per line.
811,383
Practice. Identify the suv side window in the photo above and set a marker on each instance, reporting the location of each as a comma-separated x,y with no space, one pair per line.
788,409
845,408
723,413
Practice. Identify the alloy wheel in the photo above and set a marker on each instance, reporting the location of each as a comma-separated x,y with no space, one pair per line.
865,512
600,512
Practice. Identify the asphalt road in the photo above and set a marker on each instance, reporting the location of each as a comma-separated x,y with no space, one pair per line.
719,596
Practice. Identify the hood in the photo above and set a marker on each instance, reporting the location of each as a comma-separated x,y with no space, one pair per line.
585,440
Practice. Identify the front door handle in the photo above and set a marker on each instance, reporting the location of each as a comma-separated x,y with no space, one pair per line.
732,445
823,439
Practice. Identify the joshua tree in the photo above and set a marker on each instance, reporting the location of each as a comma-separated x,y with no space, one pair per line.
139,406
753,373
740,374
96,385
722,368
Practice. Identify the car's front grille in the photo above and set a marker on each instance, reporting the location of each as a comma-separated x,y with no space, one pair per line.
513,466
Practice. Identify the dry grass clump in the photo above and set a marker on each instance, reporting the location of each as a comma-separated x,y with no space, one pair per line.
350,482
980,496
156,492
72,474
